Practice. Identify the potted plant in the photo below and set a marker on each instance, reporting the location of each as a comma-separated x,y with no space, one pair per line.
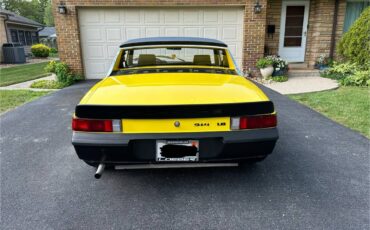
266,67
322,62
280,65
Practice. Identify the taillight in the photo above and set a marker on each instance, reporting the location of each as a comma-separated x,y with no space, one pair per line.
254,122
91,125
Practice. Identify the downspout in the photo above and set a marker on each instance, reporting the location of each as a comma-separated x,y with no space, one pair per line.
38,38
42,27
335,22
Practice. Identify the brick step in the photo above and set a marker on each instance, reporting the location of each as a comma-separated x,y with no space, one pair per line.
304,73
298,66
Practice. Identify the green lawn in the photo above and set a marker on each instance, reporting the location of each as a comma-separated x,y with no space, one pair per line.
22,73
349,106
12,98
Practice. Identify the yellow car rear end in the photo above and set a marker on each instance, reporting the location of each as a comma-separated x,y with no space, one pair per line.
171,108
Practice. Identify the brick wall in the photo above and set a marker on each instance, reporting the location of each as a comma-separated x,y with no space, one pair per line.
321,27
320,24
254,34
273,17
69,37
255,37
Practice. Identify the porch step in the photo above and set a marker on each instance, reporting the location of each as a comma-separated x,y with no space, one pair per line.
298,65
303,73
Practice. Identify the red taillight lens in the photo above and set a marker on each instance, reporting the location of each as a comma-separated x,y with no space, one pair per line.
257,122
89,125
243,123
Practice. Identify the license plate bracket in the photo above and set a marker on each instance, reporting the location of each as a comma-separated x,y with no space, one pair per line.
177,150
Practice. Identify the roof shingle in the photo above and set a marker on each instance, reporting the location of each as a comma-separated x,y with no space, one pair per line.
15,18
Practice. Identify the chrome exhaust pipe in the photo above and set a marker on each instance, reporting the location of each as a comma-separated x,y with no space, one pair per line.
99,171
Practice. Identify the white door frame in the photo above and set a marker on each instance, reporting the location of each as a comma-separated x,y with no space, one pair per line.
298,51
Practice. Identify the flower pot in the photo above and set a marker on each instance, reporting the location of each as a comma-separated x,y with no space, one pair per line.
267,72
321,66
280,72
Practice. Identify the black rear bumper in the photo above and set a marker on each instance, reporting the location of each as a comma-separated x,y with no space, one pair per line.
118,149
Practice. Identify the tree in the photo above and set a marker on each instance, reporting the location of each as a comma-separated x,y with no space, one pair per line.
48,15
42,4
33,9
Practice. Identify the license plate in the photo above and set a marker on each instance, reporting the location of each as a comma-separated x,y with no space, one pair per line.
175,150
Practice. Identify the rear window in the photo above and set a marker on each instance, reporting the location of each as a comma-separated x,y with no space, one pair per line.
171,56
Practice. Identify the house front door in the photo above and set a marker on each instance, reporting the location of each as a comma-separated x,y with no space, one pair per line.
293,30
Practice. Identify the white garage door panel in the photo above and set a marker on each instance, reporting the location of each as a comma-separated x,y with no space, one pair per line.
103,30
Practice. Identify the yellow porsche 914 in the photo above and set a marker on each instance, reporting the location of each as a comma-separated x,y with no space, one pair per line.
173,102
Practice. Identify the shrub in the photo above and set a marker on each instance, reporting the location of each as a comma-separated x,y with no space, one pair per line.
63,74
47,84
53,50
50,68
355,44
61,70
281,78
340,70
78,77
359,78
348,74
264,62
40,50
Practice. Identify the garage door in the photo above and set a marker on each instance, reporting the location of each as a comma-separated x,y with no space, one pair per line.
103,30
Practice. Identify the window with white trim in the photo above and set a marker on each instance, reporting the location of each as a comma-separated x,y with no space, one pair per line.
353,11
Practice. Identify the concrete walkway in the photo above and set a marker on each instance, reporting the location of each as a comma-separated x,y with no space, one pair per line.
27,84
303,84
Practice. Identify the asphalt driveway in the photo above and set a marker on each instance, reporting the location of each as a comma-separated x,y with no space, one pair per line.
317,178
